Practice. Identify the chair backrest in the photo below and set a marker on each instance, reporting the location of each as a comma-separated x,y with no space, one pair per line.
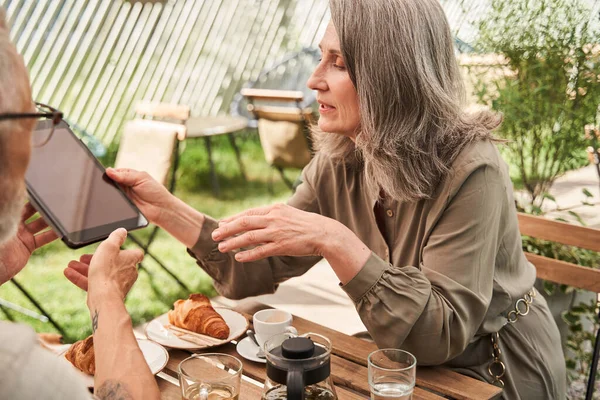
150,144
288,74
178,113
282,129
560,271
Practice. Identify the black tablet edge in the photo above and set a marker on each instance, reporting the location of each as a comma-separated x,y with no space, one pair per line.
76,240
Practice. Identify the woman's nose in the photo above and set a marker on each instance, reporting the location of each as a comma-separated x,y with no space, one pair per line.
317,80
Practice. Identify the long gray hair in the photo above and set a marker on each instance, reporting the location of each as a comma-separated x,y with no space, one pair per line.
400,57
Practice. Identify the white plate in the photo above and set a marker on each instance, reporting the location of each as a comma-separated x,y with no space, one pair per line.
156,331
247,349
156,356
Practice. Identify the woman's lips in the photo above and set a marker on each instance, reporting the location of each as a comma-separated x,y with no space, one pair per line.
325,108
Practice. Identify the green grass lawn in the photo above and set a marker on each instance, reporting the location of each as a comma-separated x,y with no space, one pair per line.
154,291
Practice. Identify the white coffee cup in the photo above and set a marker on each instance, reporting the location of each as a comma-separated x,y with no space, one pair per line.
271,322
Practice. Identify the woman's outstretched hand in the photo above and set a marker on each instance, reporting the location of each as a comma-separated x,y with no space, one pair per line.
277,230
148,195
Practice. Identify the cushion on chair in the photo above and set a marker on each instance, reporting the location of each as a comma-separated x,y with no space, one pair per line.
284,143
148,146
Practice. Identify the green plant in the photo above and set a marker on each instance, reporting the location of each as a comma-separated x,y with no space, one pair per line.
548,88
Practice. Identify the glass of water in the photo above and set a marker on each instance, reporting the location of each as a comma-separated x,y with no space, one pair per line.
392,374
211,376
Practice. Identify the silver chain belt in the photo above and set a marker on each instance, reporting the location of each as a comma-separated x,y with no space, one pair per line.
496,368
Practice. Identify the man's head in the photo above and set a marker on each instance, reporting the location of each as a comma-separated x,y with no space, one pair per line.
15,135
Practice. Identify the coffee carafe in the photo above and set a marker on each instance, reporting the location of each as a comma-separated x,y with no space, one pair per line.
298,368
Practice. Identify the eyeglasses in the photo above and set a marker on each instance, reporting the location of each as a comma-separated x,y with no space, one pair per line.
40,136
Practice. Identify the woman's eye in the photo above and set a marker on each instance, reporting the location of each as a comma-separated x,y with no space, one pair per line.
340,67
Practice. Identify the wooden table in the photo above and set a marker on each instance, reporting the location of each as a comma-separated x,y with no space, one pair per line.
348,368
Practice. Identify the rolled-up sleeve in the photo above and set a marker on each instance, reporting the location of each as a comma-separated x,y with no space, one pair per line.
433,310
237,280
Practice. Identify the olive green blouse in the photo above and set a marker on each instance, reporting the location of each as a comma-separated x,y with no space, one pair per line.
443,273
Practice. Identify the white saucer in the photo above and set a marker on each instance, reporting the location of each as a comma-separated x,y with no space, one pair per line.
247,349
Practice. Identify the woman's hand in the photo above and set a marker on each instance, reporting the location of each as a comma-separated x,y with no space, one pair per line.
148,195
109,270
276,230
282,230
15,253
160,206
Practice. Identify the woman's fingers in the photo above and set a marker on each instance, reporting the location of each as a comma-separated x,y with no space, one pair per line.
250,238
250,212
125,176
258,253
239,225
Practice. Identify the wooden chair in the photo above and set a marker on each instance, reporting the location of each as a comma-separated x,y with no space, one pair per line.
151,143
283,129
564,272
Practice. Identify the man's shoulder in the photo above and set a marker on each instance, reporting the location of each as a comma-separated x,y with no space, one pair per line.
48,376
15,338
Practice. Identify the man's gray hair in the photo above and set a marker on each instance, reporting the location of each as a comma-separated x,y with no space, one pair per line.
400,57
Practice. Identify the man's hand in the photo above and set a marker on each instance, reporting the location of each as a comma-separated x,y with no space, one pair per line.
110,269
15,253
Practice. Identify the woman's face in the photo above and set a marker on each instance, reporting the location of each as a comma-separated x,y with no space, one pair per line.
336,94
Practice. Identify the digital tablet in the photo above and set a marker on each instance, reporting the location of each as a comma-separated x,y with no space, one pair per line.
70,189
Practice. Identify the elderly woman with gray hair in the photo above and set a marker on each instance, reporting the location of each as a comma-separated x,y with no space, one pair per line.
408,200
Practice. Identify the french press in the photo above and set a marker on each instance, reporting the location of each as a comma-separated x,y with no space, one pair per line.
298,368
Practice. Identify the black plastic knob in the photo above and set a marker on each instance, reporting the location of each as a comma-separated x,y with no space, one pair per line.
298,348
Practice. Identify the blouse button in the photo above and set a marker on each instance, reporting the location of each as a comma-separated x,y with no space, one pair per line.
390,213
387,254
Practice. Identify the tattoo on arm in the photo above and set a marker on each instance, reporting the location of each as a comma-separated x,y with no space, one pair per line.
95,321
113,390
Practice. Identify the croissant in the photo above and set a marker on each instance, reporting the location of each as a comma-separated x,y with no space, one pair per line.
81,355
196,314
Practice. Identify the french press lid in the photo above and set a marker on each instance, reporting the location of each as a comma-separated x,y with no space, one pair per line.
298,364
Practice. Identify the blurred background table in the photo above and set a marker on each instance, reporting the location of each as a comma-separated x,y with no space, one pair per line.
206,128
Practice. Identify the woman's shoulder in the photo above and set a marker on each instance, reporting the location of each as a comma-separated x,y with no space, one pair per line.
475,155
323,169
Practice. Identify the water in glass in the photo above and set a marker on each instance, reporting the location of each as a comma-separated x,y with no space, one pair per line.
391,391
217,392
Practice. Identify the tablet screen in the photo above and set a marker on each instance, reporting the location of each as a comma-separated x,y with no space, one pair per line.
71,186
